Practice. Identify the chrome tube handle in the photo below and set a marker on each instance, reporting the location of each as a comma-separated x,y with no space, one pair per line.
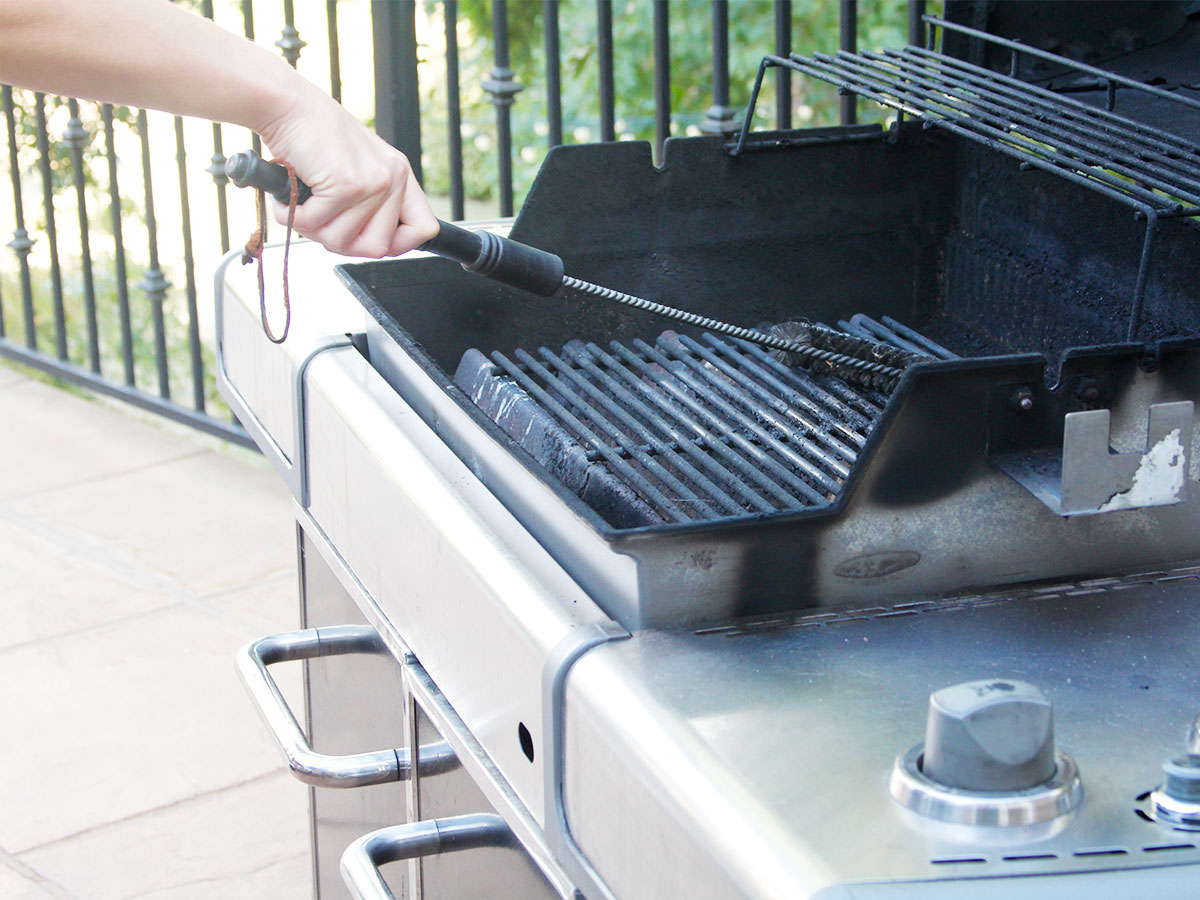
362,859
318,769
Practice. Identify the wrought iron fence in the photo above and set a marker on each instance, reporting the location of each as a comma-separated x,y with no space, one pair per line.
99,306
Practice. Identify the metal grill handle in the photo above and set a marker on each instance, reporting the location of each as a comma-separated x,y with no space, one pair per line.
362,859
319,769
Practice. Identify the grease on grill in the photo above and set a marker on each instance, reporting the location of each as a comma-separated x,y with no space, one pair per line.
684,430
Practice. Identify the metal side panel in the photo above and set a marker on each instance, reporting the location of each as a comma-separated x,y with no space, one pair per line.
754,761
261,381
340,721
479,602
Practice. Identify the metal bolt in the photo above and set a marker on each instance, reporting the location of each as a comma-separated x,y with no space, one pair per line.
1022,399
1088,390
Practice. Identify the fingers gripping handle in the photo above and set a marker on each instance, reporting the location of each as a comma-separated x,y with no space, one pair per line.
501,259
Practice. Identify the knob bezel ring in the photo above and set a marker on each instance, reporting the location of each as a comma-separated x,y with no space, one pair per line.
915,791
1173,812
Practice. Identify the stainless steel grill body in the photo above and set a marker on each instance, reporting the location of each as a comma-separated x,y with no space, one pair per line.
715,707
924,486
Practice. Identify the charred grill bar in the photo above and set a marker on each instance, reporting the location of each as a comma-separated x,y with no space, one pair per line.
686,430
663,612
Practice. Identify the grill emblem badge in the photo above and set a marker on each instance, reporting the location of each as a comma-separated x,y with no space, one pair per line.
877,565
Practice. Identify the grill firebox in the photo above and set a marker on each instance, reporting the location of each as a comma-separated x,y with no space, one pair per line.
1024,278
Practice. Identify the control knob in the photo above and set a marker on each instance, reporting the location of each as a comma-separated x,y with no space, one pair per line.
988,759
994,736
1177,801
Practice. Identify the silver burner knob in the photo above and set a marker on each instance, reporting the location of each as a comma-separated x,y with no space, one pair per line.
1177,802
990,736
988,759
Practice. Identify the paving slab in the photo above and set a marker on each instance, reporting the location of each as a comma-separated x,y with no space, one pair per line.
48,590
16,885
270,606
120,720
10,376
56,438
250,841
134,560
201,523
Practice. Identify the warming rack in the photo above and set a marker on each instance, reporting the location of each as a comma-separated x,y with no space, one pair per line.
1155,172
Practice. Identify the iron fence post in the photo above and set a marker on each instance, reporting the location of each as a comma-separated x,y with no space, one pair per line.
721,118
289,43
21,242
397,98
76,138
502,87
916,28
783,75
56,282
553,73
848,29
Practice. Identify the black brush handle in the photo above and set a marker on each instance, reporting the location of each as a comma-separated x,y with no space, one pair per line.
501,259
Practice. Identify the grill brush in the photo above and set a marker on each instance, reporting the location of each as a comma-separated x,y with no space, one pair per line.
540,272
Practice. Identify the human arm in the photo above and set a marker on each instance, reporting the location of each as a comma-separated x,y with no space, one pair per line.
153,54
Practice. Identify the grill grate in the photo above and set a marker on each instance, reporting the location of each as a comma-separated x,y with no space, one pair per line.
684,430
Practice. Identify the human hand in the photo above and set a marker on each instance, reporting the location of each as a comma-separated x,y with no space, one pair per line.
361,186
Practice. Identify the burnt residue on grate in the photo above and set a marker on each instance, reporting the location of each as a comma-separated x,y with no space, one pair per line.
683,430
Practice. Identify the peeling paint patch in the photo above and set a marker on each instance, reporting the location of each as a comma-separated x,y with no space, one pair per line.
1159,478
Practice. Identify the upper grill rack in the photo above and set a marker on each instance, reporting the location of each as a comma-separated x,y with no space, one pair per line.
684,430
1153,171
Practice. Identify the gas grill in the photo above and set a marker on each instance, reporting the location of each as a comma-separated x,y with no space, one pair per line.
645,611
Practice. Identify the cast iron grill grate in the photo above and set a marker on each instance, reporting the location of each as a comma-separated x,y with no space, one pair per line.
684,430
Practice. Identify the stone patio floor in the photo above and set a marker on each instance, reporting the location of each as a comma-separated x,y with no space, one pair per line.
135,558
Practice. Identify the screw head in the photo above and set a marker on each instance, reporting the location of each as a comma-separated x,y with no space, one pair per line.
1022,399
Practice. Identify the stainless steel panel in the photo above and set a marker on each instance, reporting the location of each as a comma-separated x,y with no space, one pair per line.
464,745
473,595
494,872
263,382
354,703
755,760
